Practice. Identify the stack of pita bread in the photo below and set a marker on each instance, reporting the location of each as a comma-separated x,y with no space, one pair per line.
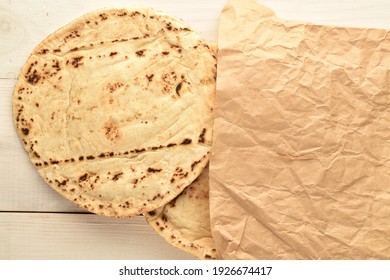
115,112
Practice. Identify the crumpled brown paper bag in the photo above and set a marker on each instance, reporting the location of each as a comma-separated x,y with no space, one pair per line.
300,167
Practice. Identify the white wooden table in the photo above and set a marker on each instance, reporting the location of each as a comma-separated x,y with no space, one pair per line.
35,221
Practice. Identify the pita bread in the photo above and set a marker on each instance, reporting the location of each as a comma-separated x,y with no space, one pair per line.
185,221
115,109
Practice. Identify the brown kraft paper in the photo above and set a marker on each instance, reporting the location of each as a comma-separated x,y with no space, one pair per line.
300,165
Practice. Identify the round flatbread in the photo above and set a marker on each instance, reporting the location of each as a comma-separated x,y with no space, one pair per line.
185,221
115,109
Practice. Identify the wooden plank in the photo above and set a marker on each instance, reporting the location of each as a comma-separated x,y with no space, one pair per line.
81,236
352,13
